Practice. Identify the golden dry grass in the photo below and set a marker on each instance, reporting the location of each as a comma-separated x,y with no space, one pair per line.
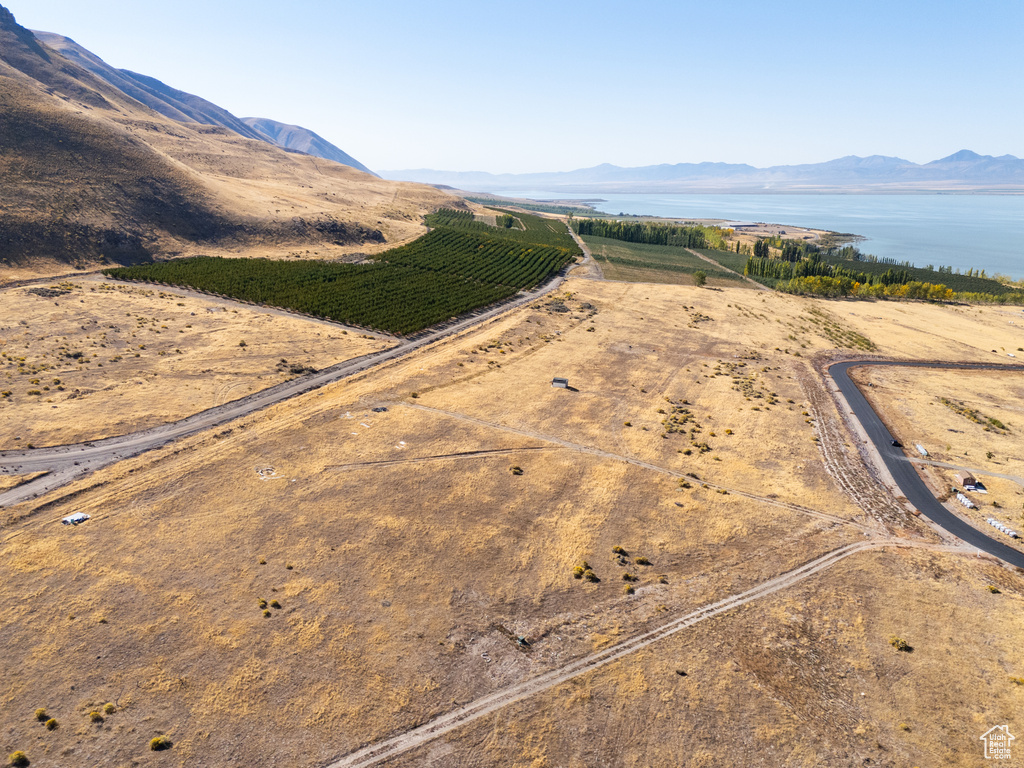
145,356
404,574
804,678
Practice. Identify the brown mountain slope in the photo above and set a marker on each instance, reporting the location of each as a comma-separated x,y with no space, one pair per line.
88,174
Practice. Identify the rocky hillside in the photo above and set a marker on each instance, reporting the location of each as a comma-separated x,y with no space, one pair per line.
90,175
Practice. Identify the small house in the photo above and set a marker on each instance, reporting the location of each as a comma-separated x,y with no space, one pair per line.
559,382
965,479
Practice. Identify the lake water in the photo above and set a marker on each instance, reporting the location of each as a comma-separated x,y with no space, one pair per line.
961,231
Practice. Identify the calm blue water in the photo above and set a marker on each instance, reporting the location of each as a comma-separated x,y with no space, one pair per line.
961,231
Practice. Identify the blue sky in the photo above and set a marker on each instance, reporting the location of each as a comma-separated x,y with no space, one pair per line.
537,86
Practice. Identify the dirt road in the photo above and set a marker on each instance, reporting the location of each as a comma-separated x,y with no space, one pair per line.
375,754
68,462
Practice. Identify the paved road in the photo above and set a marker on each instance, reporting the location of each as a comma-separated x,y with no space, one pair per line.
67,462
903,471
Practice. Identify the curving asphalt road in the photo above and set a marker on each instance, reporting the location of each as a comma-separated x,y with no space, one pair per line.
903,472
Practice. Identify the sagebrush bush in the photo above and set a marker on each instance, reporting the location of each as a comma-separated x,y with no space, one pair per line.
96,717
900,644
109,708
160,743
51,724
274,604
18,759
41,715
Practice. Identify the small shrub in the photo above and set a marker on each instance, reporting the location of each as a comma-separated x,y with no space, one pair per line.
51,724
904,727
415,394
18,759
41,715
900,644
516,470
96,717
263,562
289,567
275,604
578,571
242,343
625,423
160,743
628,577
619,551
663,579
267,614
109,709
1017,680
263,603
628,590
589,575
994,590
642,561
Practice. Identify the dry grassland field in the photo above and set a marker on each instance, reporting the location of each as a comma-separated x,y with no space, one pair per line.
90,358
320,576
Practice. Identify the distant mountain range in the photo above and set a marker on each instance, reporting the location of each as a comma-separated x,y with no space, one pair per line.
189,108
964,171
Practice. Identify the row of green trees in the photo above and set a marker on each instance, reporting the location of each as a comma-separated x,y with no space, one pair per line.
835,287
813,266
651,234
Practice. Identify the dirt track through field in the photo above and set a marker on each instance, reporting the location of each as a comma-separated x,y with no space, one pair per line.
867,528
438,457
754,283
375,754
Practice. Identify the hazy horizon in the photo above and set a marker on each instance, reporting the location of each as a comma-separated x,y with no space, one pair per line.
539,87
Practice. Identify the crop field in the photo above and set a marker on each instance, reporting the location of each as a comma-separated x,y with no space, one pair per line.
728,259
398,300
464,220
441,275
538,230
639,262
491,260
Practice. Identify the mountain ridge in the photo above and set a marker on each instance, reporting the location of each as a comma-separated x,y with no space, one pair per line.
186,107
89,175
964,170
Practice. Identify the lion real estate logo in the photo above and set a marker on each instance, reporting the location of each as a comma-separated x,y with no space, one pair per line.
997,742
